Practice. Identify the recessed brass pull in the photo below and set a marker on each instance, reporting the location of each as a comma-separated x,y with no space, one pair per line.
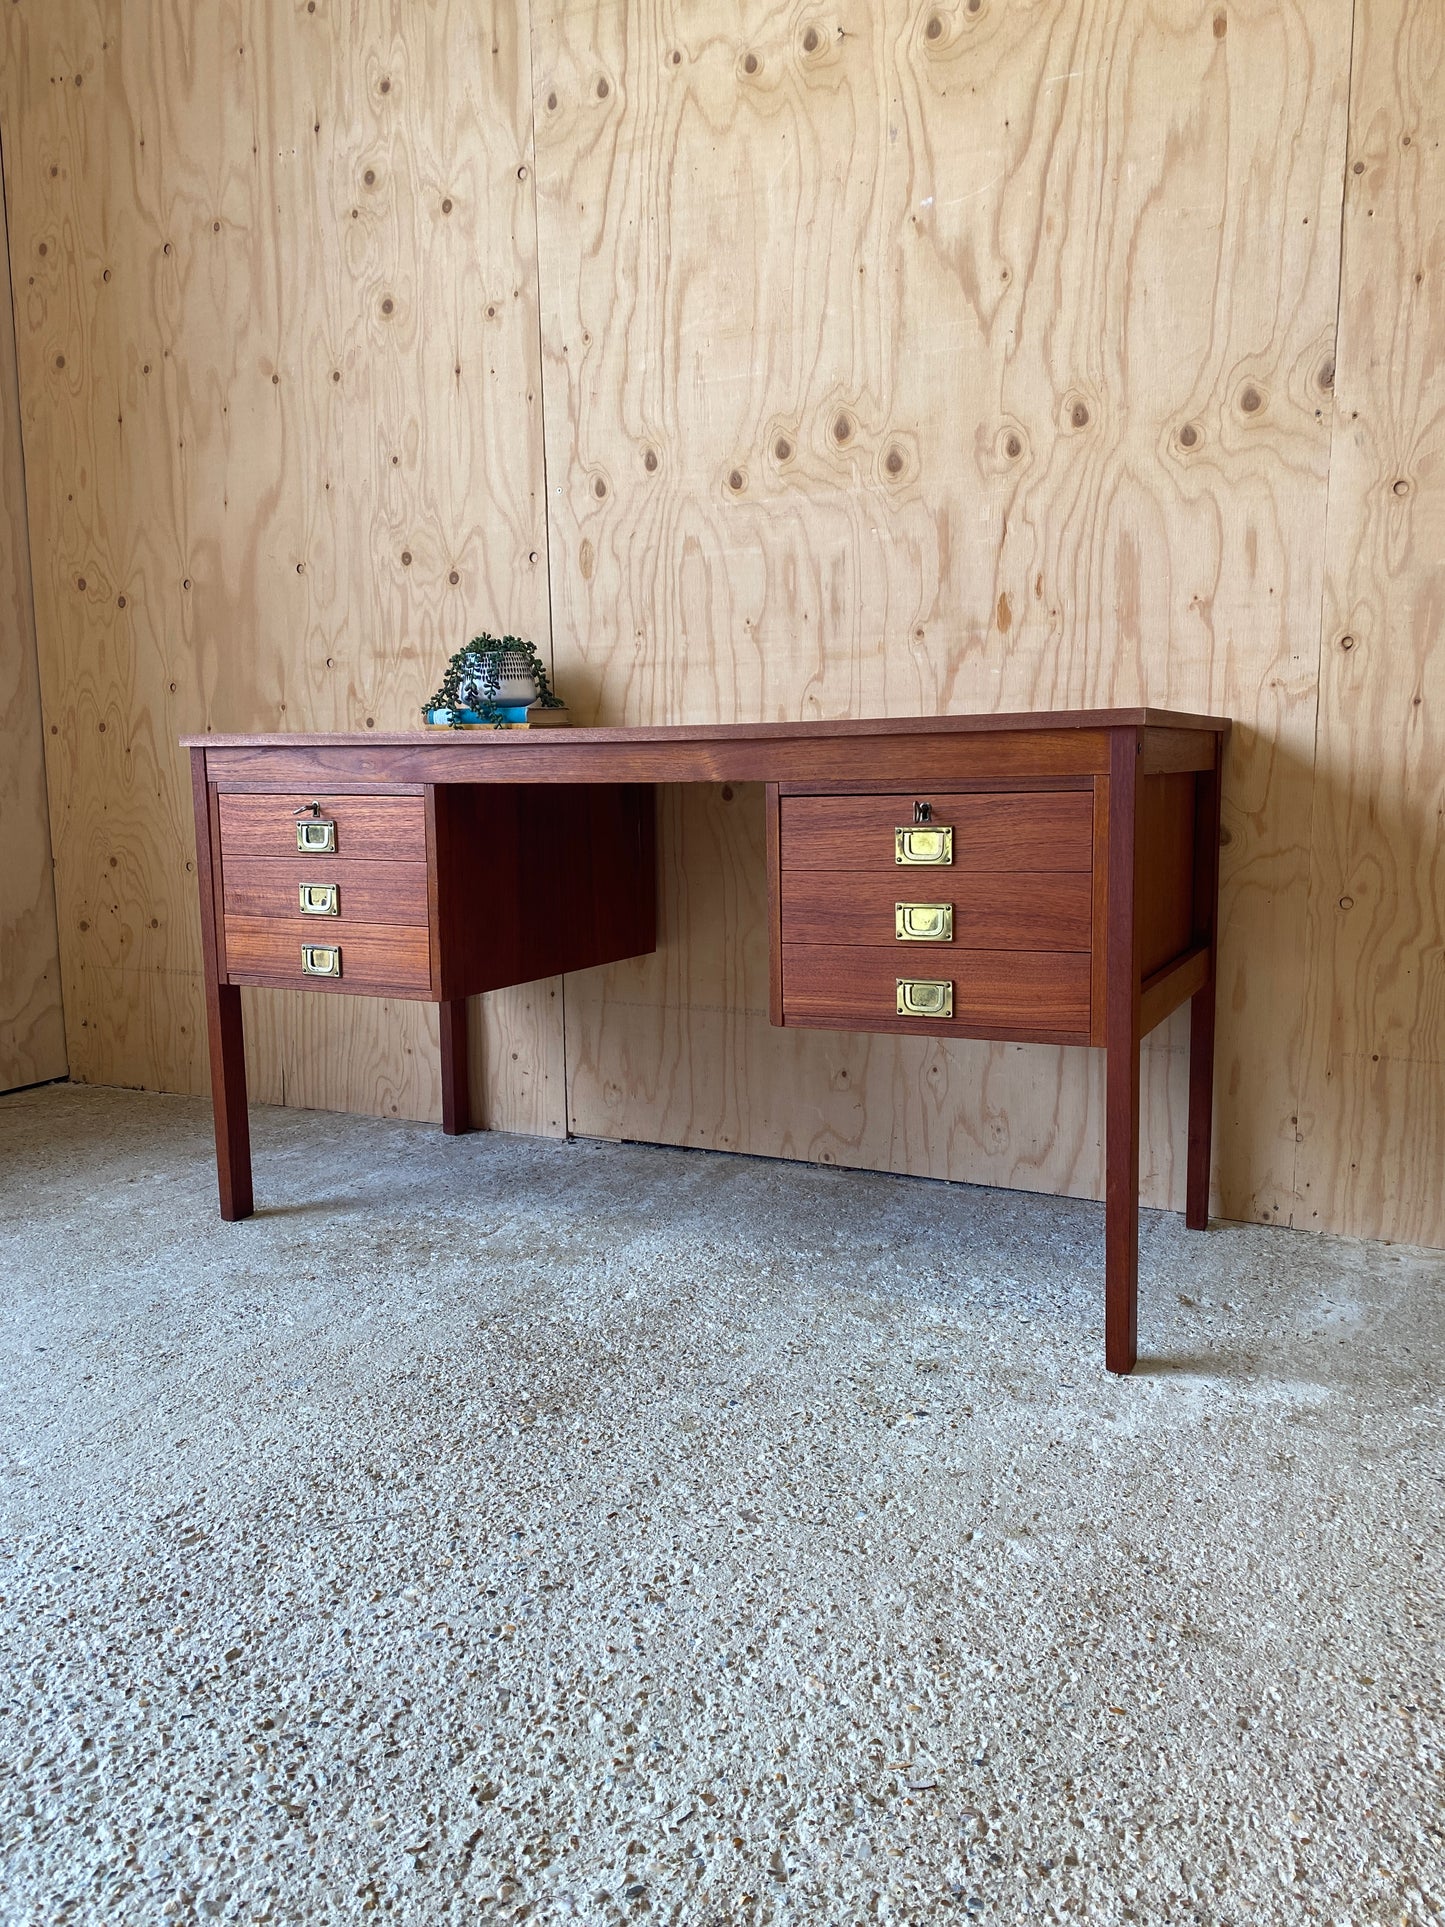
321,960
924,997
917,845
315,833
321,899
923,922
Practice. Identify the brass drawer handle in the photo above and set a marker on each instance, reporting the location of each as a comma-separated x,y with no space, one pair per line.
923,845
924,997
315,834
923,922
320,960
321,899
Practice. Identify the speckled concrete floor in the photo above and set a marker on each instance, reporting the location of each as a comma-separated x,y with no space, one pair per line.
497,1530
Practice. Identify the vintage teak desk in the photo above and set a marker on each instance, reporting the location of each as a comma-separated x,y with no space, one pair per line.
1047,878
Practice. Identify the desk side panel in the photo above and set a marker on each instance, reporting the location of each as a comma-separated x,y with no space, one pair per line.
533,881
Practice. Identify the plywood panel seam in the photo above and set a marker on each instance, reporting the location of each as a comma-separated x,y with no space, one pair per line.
541,361
1302,1090
563,1059
32,1013
1372,1138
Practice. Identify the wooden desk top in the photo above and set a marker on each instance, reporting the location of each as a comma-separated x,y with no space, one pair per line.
903,750
735,732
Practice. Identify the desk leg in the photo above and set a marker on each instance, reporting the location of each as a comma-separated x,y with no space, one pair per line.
456,1083
225,1033
228,1099
1121,1076
1201,1009
1201,1106
1121,1207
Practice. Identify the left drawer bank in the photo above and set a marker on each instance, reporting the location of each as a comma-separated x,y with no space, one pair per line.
326,892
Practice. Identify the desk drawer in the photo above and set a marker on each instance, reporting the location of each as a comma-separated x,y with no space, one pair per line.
361,889
855,987
1045,831
373,826
989,912
368,957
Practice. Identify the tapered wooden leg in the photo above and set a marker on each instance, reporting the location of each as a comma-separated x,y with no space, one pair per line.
1201,1105
228,1100
1201,1008
1121,1207
456,1083
1121,1078
225,1032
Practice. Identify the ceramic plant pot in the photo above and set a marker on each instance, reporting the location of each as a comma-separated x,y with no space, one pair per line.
506,680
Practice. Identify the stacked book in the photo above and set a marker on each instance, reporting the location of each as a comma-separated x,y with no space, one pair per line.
510,716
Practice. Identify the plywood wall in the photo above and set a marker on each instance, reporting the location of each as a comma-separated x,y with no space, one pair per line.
947,358
32,1030
1372,1152
836,360
276,303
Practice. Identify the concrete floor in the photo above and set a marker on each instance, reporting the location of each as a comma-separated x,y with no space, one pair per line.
500,1530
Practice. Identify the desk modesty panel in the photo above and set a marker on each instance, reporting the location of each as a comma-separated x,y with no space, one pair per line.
1046,878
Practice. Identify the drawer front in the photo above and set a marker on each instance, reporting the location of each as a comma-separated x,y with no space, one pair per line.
370,958
1013,992
989,912
341,890
371,826
1046,831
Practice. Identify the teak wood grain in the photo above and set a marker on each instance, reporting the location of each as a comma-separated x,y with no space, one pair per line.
376,959
1036,831
538,880
1023,994
1120,937
1167,867
1025,911
264,824
368,889
1040,727
224,1033
1207,811
1056,889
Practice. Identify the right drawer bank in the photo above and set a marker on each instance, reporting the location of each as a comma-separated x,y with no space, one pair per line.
953,914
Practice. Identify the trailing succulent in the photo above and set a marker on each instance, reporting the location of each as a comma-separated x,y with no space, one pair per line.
478,666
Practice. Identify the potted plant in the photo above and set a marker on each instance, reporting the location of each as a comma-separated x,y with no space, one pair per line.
492,683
